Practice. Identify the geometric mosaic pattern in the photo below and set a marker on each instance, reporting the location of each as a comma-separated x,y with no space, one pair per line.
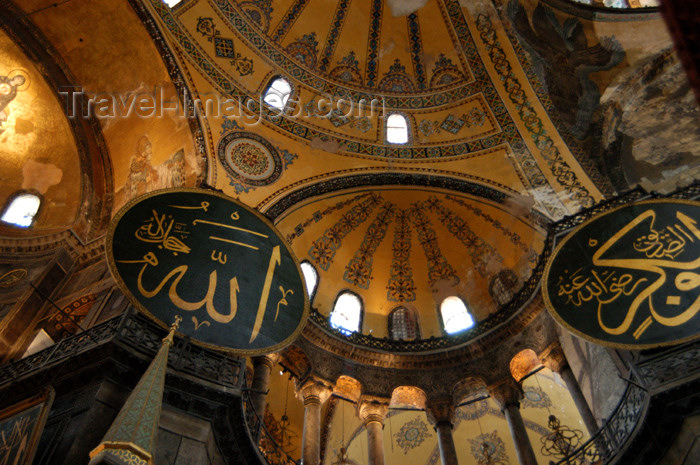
479,82
536,398
482,254
513,236
401,287
323,250
489,448
389,222
438,268
359,270
411,434
319,215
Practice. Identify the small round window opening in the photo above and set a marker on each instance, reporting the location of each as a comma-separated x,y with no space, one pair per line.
396,129
21,210
277,94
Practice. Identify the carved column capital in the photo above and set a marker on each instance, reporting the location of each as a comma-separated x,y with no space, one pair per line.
372,409
553,357
506,393
440,411
268,360
314,391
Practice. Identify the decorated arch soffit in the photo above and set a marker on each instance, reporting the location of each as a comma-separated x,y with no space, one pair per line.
471,108
32,72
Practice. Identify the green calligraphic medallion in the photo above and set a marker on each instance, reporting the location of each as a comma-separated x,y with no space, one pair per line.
218,264
630,278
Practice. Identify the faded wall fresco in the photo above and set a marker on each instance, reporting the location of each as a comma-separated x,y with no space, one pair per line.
37,149
145,176
84,35
651,127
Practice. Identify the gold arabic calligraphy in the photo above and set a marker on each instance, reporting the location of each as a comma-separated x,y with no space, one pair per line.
161,229
158,230
658,251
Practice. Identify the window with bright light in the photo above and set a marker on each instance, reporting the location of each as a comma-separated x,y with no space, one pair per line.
172,3
21,210
310,277
278,93
347,313
396,129
455,316
403,324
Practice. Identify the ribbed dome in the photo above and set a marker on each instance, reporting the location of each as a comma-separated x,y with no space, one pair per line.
363,45
413,247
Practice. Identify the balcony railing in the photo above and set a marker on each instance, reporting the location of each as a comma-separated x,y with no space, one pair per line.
612,439
135,332
271,452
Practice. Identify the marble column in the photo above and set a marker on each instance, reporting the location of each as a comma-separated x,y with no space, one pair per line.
441,415
507,395
262,367
372,411
553,358
314,393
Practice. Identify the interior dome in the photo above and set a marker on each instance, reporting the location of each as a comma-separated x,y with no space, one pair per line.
401,247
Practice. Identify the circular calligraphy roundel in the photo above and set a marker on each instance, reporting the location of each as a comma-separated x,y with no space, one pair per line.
630,278
249,158
218,264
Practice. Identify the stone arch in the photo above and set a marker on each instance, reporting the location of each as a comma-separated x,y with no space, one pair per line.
296,362
523,363
408,396
348,388
469,388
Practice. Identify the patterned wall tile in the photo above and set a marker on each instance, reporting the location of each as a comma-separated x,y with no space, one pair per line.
401,287
482,254
411,435
359,271
438,267
323,249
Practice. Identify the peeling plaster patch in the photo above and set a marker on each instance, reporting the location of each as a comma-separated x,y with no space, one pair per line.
477,7
520,206
388,48
545,195
672,180
40,176
332,146
23,126
405,7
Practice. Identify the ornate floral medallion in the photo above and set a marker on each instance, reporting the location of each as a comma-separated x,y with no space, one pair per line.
249,158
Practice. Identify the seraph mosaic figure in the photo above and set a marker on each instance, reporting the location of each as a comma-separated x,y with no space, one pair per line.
8,91
562,50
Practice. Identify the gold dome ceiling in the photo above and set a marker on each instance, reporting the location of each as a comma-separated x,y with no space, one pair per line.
449,69
411,247
362,45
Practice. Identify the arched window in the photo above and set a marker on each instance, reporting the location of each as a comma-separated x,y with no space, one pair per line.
310,277
455,316
396,129
347,312
403,324
277,93
21,209
503,286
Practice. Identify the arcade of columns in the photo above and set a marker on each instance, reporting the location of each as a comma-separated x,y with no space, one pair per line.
314,391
